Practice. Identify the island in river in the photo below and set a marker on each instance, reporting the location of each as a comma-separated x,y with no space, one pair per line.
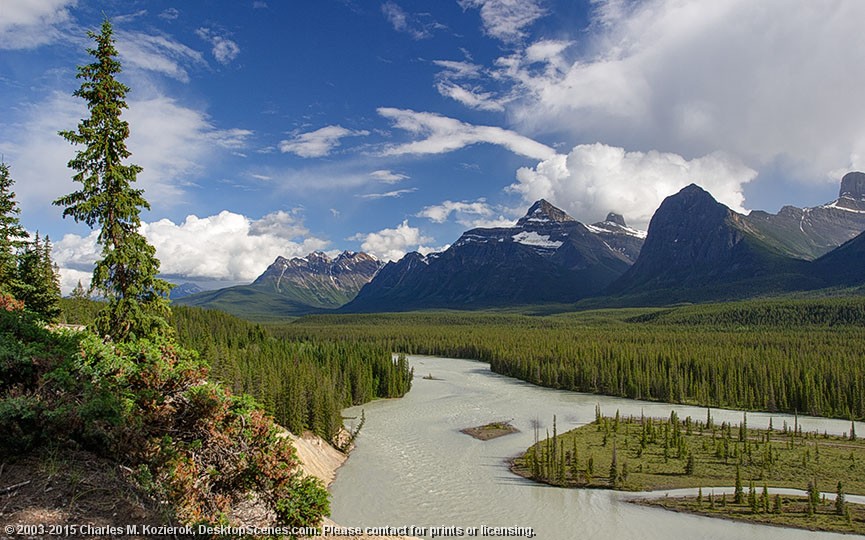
648,454
489,431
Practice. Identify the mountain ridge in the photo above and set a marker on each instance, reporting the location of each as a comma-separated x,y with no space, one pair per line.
547,256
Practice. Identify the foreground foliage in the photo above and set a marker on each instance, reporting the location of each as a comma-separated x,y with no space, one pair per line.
148,404
303,383
805,356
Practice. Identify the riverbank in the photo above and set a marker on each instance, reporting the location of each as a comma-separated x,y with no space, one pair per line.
322,460
649,454
792,512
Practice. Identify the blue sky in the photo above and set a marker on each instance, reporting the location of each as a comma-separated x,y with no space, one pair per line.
272,128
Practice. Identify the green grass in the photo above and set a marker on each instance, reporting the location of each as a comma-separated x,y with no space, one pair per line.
795,459
793,513
654,454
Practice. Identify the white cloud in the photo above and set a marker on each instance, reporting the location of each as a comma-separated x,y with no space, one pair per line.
439,213
757,79
595,179
318,143
226,246
392,244
157,53
174,144
473,98
442,134
388,177
170,14
388,195
25,24
224,49
469,214
461,81
506,20
459,70
404,22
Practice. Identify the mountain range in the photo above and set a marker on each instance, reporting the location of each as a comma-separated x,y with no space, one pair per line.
695,249
292,287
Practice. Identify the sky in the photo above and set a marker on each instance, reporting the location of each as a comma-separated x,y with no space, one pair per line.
276,127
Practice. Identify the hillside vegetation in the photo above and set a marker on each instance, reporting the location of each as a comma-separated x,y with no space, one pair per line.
303,383
805,356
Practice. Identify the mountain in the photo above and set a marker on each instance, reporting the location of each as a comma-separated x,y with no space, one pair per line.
698,249
844,266
808,233
548,256
184,289
292,287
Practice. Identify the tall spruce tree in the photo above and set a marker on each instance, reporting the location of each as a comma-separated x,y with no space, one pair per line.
127,273
13,237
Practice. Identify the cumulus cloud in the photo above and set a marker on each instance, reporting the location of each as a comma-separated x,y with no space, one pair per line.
506,20
225,247
393,244
439,213
318,143
26,24
469,214
224,49
595,179
442,134
756,79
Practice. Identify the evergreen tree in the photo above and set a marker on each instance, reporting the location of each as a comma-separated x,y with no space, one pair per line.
739,493
776,508
37,282
12,235
840,500
614,469
78,293
126,274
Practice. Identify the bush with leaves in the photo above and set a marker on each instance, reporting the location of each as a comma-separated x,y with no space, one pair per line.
147,403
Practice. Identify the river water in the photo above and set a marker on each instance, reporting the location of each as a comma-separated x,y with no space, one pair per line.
413,467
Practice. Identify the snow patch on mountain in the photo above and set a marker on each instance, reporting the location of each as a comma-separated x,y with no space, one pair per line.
531,238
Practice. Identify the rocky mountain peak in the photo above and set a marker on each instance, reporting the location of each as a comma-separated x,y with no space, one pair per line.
853,186
544,212
618,219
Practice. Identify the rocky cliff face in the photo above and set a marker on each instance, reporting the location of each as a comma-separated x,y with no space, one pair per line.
695,243
327,278
548,256
292,287
807,233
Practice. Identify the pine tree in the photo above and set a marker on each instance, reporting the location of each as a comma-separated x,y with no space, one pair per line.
739,493
614,469
78,293
12,235
37,282
840,500
126,274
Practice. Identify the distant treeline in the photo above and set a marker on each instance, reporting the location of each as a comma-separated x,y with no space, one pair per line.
303,383
805,356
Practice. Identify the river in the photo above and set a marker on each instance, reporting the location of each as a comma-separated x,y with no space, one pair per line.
413,467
